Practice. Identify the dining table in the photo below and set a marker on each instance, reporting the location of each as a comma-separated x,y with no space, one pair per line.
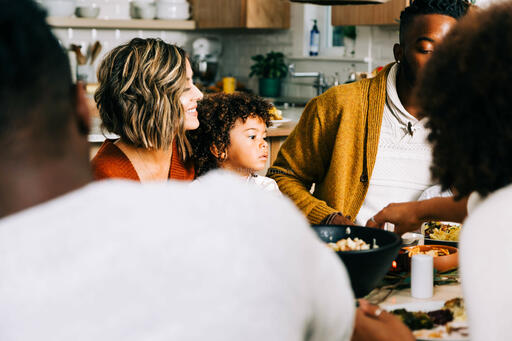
391,297
395,293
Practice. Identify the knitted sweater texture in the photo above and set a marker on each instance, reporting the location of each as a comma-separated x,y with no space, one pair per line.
334,146
111,162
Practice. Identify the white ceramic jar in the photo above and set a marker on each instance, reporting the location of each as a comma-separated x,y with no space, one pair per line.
114,9
87,10
143,9
172,9
59,8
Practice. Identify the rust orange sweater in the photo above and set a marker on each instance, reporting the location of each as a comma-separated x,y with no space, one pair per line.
111,162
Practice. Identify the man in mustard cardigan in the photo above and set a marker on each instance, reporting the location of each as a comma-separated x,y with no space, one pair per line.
364,144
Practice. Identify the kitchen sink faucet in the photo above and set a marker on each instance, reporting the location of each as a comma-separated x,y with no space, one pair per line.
320,84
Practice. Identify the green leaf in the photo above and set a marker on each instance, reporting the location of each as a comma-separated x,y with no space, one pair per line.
272,65
349,32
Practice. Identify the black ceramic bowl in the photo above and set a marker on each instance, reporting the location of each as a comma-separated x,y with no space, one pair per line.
366,267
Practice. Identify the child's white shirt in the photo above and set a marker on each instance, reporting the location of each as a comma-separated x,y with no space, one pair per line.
267,184
262,182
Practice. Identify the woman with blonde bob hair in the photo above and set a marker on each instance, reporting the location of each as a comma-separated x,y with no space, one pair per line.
147,97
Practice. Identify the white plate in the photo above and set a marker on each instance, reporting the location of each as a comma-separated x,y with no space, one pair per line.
277,123
426,307
438,241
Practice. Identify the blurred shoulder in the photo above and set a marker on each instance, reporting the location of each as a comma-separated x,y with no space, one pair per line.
492,213
220,188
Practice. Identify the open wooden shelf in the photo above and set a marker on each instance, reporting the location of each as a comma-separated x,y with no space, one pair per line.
142,24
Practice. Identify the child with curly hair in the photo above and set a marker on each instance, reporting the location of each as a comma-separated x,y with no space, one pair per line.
231,135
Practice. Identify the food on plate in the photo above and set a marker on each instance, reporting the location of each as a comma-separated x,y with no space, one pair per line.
349,244
442,231
456,306
447,322
275,114
414,319
434,251
446,258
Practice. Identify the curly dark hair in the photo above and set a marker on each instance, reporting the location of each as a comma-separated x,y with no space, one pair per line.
217,115
453,8
466,94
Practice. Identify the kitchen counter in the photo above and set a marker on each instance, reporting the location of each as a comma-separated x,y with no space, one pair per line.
283,130
96,136
276,135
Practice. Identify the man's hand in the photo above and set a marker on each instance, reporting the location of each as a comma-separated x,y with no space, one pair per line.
374,324
405,216
408,216
337,219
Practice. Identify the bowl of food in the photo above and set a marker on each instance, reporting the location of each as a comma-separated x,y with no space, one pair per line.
440,232
446,257
276,117
367,253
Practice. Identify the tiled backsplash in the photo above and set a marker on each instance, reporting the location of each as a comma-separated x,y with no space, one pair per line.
239,45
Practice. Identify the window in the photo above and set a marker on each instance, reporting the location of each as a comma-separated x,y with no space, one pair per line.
339,40
335,41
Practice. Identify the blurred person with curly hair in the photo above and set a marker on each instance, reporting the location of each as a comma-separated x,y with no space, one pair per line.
364,144
147,97
470,118
232,135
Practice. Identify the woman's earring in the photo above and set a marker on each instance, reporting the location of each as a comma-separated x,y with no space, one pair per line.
398,62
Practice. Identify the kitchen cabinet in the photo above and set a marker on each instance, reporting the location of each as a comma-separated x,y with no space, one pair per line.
141,24
382,14
242,13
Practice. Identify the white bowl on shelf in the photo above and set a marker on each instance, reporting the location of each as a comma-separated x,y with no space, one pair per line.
171,10
59,8
117,9
87,11
143,10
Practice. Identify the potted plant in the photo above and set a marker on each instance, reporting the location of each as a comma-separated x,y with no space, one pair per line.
349,33
271,68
